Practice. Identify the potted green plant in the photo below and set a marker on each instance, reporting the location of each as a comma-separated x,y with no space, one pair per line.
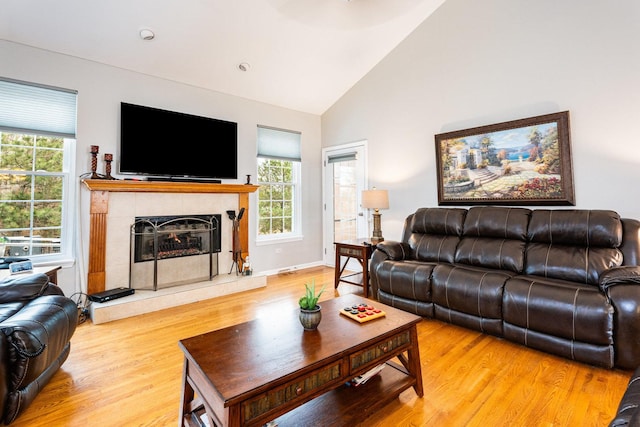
310,314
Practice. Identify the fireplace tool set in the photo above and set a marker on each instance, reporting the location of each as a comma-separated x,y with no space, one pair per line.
241,265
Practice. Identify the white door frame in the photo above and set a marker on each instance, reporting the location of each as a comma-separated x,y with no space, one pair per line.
327,195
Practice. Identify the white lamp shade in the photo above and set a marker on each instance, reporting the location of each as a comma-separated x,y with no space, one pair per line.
375,199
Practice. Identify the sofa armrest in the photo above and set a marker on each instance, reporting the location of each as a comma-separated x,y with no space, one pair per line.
621,285
387,250
619,276
625,299
396,251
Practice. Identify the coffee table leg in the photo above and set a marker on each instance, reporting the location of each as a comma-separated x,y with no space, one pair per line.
414,361
187,394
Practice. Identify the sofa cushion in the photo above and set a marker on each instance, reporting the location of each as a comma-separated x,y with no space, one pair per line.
498,222
592,354
420,308
406,279
560,317
576,245
473,291
9,309
435,233
579,312
494,237
576,227
579,264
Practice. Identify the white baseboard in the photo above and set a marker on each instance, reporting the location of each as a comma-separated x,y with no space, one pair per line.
292,268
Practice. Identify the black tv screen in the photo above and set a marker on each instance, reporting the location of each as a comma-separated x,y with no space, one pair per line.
171,145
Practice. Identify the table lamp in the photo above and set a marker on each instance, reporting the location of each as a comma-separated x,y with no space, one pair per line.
376,200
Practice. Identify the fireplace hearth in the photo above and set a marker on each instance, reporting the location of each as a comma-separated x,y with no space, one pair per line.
163,240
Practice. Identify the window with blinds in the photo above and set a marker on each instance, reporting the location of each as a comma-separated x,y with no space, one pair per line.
37,140
279,160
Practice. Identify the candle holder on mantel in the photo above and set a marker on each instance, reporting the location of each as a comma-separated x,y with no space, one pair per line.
108,158
94,162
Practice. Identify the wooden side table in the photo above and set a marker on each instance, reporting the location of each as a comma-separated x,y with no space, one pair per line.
360,249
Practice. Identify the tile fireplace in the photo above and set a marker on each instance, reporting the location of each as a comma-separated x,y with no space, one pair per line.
114,205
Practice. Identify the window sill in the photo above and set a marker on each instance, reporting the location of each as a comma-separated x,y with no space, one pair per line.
62,262
263,241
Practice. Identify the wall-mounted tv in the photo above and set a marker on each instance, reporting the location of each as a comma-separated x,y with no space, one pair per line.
169,145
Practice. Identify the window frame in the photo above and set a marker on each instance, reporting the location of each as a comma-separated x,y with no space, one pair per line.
270,147
65,257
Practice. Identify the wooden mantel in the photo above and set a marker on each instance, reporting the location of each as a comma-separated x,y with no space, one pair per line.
100,189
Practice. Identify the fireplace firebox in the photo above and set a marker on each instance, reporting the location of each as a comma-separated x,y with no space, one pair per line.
165,238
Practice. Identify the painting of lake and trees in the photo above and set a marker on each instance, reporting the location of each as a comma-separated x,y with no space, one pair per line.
510,163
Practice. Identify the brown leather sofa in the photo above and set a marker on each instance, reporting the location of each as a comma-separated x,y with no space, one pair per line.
562,281
37,322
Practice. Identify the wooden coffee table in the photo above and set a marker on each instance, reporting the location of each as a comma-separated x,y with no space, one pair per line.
269,368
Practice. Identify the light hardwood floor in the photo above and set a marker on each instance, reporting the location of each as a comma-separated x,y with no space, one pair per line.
128,372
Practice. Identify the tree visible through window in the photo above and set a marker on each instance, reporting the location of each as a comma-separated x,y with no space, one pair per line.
31,190
276,196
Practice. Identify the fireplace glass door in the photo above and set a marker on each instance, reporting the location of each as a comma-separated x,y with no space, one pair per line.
173,250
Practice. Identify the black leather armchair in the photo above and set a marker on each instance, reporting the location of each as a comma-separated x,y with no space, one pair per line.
37,322
628,413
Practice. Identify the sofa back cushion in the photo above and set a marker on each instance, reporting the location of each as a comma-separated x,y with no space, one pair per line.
494,237
434,233
23,287
576,245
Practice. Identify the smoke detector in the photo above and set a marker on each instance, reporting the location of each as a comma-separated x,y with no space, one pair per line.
147,34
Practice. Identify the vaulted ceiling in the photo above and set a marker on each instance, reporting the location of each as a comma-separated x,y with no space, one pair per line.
298,54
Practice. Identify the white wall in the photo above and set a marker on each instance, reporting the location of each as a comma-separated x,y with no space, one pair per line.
475,63
101,89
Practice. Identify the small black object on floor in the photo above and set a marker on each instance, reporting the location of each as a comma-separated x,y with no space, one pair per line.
111,294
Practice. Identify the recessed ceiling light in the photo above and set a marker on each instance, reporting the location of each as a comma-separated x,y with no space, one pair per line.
244,66
147,34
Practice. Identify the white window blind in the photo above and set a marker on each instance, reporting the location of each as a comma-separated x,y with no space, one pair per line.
344,157
278,144
29,108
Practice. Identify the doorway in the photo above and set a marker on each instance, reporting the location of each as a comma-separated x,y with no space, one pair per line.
344,178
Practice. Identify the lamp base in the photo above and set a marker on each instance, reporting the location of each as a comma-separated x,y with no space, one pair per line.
377,231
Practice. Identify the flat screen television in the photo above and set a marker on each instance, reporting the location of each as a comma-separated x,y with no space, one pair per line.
168,145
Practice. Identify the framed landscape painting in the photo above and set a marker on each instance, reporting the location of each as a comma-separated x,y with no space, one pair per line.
521,162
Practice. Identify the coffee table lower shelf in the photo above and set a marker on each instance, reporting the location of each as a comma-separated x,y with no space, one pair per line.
348,406
345,405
